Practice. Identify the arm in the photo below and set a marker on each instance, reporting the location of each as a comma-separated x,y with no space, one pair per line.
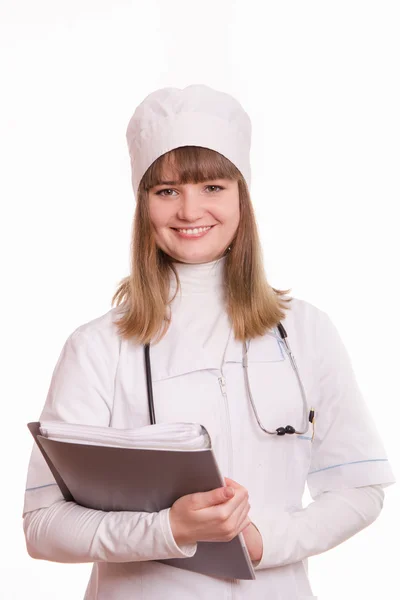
81,391
348,469
331,519
68,533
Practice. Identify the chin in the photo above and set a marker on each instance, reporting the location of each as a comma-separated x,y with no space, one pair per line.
197,258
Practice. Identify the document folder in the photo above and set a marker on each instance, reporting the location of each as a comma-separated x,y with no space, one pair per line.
130,479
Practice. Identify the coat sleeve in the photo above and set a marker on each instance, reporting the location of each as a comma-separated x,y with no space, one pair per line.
81,391
348,468
334,517
347,450
68,533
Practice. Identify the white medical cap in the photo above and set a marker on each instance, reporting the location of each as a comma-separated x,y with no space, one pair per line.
196,115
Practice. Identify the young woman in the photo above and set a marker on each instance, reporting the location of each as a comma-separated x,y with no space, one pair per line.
281,411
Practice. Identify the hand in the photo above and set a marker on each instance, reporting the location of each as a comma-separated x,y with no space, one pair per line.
251,535
215,516
254,542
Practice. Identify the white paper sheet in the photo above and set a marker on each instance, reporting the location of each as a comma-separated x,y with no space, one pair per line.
162,436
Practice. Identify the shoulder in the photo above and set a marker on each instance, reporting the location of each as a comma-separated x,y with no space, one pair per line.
302,315
100,332
309,324
82,384
314,330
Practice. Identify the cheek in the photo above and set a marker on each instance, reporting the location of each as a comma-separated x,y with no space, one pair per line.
231,214
236,219
158,213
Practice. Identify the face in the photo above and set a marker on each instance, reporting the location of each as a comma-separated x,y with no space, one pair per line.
179,212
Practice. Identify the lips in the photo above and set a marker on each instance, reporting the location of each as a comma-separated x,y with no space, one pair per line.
198,227
193,236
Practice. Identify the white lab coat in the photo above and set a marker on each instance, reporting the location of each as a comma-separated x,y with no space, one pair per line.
100,379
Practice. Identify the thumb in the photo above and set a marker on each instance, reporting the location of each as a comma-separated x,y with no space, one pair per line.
213,497
232,483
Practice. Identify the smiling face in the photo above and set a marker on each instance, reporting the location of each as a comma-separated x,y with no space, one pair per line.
212,204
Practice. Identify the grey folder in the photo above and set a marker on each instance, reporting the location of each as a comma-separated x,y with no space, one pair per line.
112,479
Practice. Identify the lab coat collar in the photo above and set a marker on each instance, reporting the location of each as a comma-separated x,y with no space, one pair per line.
177,354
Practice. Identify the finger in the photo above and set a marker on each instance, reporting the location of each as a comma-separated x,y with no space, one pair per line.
240,499
236,510
201,500
244,524
238,518
241,512
223,512
232,483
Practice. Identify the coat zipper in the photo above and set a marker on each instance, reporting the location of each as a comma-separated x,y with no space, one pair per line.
222,383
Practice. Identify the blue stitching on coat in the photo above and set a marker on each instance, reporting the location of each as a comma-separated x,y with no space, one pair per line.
355,462
39,487
304,437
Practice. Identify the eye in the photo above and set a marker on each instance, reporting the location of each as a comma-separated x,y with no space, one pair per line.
164,190
215,186
160,192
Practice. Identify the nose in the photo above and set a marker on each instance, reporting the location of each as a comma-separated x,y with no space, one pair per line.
190,207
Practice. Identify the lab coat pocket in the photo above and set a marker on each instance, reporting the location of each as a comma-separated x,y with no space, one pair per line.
278,401
274,387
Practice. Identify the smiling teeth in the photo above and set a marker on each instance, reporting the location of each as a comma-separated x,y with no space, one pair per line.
194,231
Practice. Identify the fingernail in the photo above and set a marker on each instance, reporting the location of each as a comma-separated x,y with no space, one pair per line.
229,492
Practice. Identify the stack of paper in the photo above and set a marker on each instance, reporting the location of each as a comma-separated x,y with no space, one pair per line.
162,436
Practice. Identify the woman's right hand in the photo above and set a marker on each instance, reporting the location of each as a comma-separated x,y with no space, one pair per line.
214,516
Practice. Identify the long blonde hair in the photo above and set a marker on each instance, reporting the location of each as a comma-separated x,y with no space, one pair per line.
253,306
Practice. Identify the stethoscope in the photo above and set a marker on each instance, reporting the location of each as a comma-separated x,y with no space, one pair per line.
280,430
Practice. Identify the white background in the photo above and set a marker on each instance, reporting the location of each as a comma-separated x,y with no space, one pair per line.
320,81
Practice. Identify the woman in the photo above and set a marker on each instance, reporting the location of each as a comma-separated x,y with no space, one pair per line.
197,293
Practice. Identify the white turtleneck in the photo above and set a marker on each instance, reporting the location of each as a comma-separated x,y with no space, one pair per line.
66,532
200,278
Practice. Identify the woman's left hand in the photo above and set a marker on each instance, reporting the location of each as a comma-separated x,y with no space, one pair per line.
254,542
251,535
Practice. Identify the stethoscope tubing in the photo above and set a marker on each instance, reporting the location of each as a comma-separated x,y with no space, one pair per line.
280,430
289,428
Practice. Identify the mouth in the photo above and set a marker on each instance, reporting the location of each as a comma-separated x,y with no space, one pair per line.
193,232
